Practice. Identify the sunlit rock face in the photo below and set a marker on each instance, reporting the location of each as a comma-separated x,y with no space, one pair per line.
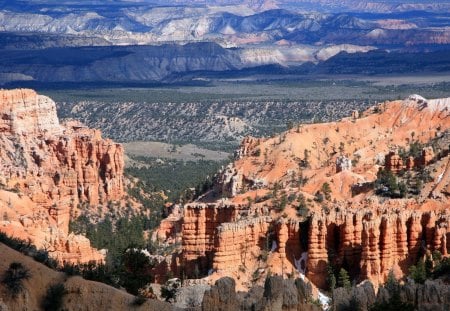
52,167
265,212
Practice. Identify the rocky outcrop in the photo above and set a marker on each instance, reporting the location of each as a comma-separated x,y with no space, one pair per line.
236,241
427,156
220,238
200,222
343,164
360,297
57,166
221,297
278,294
170,227
230,181
23,112
247,147
315,209
60,163
368,243
432,295
393,162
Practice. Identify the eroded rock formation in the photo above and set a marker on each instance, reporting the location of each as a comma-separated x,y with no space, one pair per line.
53,167
433,295
277,295
369,244
290,201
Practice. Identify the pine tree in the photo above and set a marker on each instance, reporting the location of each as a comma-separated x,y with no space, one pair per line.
391,283
326,190
344,279
331,278
418,272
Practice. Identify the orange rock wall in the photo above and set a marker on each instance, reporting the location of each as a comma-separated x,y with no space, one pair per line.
367,243
365,234
217,236
370,245
236,242
57,166
200,221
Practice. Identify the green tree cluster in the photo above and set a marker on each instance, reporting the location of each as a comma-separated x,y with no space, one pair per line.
387,185
434,266
394,303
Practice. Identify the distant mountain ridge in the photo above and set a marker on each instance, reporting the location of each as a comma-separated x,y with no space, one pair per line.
171,63
228,26
141,41
385,6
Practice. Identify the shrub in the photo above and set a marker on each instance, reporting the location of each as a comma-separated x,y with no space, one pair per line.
170,289
318,197
394,303
136,270
326,190
139,300
43,257
53,300
71,269
442,268
302,208
388,186
14,277
418,272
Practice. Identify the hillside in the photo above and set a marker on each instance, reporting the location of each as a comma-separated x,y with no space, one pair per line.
146,23
367,194
81,294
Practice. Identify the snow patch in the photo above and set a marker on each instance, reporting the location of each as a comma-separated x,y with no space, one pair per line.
324,300
440,177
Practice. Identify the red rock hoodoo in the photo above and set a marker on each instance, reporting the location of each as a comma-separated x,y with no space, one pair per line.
52,168
289,203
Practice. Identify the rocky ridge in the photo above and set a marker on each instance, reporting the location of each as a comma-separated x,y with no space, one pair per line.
289,203
48,170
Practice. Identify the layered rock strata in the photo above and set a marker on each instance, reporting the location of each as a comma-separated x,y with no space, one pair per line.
307,198
369,244
57,166
200,221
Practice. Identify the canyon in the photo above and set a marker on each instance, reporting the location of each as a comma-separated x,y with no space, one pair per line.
367,193
307,199
49,171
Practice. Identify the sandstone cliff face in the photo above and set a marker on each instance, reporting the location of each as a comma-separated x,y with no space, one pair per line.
291,206
56,166
26,113
234,242
369,244
200,222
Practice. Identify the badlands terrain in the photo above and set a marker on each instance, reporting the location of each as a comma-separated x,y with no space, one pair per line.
256,155
360,199
165,42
